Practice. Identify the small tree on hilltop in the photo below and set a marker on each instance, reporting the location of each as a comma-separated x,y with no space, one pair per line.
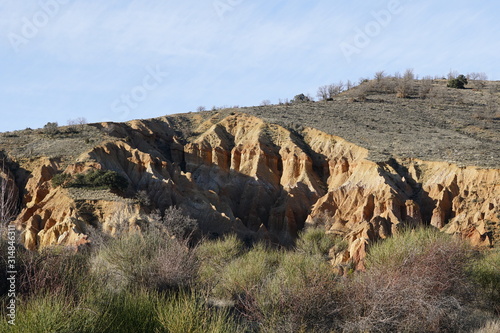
301,98
458,83
51,128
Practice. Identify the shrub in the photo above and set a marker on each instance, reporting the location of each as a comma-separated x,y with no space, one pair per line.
247,272
174,266
54,271
49,313
415,282
61,179
179,224
214,256
280,291
122,311
301,295
315,241
492,326
458,83
93,179
143,198
51,128
323,93
379,76
186,312
486,272
301,98
106,178
328,92
425,87
404,88
151,259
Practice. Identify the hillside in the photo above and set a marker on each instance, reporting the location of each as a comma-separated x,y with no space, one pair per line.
451,125
360,166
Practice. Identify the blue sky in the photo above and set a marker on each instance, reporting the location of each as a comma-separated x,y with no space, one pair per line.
123,59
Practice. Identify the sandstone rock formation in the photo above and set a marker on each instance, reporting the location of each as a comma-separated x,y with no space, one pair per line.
238,173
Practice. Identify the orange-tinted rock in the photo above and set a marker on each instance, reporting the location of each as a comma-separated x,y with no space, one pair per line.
241,174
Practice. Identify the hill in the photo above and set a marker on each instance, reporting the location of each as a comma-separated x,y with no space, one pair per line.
361,166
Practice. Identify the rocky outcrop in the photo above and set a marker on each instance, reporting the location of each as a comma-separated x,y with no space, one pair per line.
260,180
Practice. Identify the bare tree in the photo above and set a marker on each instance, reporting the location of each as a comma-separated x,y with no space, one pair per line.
323,93
335,89
379,76
409,75
452,75
405,85
265,102
425,87
349,85
478,79
81,120
8,195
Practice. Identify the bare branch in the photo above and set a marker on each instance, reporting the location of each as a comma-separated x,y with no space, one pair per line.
8,195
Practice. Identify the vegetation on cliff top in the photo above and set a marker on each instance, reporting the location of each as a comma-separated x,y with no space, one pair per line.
92,179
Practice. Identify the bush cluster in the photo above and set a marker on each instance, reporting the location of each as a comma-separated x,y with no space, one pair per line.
93,179
51,128
416,281
458,83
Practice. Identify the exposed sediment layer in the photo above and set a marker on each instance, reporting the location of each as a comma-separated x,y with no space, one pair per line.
239,173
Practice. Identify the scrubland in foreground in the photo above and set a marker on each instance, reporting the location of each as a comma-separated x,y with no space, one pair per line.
416,281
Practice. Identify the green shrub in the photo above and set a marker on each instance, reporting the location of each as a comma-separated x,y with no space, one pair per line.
315,241
458,83
403,246
301,98
301,295
214,256
486,272
105,178
126,311
93,179
187,313
247,272
49,313
61,179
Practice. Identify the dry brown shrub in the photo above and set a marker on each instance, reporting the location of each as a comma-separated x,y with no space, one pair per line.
426,290
174,266
54,271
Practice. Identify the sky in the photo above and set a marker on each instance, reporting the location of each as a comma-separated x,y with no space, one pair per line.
117,60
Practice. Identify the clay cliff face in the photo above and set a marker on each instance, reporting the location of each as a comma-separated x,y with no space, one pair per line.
240,174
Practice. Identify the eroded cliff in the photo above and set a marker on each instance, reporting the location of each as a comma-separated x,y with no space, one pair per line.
238,173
